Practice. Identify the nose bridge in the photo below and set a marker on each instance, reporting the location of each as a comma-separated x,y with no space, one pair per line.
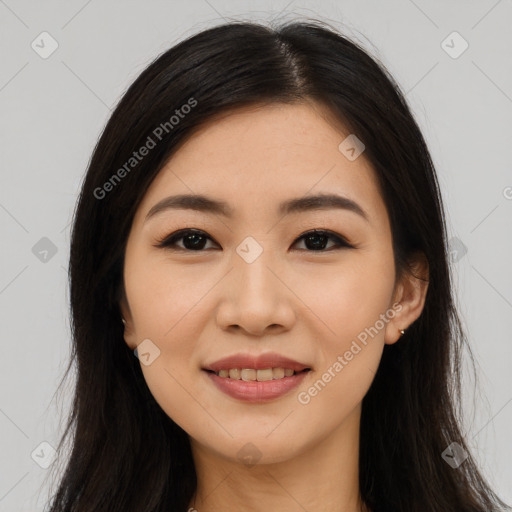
256,283
255,298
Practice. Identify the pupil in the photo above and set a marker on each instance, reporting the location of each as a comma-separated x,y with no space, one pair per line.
194,239
316,246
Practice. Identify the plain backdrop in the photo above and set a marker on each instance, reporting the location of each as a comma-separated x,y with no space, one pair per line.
54,105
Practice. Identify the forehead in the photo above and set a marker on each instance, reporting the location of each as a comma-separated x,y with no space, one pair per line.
255,157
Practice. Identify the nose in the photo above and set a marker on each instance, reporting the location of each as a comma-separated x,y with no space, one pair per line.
255,298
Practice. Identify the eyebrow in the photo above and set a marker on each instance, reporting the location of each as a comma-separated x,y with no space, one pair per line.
301,204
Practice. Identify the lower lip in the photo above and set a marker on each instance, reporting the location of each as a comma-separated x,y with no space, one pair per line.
255,391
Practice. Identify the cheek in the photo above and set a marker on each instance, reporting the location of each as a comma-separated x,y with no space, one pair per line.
168,308
350,298
165,301
352,307
349,354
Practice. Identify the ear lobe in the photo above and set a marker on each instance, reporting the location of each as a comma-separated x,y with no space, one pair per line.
411,292
126,319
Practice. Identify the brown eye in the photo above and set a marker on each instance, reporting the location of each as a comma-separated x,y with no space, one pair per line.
196,240
193,240
317,240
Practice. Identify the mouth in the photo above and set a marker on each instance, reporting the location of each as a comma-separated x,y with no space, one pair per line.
257,378
245,366
244,386
253,374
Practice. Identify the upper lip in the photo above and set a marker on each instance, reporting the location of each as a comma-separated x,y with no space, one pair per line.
259,362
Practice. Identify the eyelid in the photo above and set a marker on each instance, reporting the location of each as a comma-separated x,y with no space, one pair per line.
165,243
324,231
178,234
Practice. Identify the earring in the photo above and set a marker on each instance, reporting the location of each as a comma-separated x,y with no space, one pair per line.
123,320
402,332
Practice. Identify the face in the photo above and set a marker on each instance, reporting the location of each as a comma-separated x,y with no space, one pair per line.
255,279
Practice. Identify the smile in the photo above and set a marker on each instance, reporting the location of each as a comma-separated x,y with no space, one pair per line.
251,374
248,388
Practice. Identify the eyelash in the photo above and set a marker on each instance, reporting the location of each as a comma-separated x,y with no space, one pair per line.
169,242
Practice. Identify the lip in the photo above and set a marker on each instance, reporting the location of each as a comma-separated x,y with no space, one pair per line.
257,362
254,391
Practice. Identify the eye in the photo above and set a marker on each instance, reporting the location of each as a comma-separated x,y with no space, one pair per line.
195,240
316,240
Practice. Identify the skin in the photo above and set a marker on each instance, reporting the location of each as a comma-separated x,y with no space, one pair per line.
197,307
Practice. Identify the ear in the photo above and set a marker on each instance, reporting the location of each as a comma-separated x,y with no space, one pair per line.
410,293
129,331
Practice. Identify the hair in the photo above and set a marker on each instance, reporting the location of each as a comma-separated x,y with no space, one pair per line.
126,453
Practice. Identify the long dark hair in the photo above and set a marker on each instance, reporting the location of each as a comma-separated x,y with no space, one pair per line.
126,454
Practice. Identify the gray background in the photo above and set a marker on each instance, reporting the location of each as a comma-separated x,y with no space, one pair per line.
53,109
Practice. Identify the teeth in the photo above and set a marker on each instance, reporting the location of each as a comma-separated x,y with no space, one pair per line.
233,374
248,374
252,374
262,375
279,373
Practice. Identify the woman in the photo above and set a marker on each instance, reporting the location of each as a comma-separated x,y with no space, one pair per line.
261,304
